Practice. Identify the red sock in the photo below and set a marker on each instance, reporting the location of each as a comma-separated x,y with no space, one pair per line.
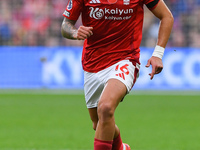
102,145
117,143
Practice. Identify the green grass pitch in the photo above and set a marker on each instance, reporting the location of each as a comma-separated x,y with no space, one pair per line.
61,122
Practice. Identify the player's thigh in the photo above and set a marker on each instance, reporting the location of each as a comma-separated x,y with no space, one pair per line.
120,78
113,93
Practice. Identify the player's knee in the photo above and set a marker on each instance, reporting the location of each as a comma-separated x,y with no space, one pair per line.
105,111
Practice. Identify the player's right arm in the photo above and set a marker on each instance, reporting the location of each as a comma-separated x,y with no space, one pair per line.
69,31
71,14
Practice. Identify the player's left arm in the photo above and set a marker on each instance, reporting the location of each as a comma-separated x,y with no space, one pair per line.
166,23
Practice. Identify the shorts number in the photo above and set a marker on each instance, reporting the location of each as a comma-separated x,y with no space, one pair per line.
123,69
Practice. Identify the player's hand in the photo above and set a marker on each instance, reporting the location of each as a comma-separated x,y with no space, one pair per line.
156,64
83,33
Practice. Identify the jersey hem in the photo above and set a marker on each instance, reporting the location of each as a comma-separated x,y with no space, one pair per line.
134,62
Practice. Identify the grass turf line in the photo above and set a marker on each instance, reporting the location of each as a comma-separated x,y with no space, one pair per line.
81,92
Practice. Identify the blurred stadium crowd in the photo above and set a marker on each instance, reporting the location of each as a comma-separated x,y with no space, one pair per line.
37,23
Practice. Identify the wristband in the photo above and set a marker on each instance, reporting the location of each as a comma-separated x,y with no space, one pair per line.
158,51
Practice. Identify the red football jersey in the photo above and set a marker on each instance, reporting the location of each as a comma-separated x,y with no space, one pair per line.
117,30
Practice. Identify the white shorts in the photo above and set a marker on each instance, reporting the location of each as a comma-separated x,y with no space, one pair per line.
94,83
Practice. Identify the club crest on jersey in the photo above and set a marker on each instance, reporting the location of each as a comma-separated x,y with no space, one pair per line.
112,1
69,6
126,2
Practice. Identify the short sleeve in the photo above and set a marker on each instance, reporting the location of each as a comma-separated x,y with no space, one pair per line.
151,4
73,9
